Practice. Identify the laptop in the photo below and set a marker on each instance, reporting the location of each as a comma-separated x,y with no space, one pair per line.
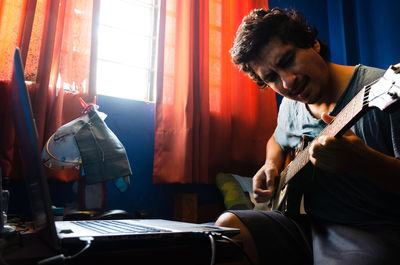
59,234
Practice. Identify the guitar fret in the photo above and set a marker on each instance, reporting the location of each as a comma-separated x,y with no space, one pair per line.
366,94
345,116
297,164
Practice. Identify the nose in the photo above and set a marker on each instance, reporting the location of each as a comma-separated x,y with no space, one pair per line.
288,79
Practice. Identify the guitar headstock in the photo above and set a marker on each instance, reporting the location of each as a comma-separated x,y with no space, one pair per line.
385,92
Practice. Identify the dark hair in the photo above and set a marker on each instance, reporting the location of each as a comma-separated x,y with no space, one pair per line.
261,25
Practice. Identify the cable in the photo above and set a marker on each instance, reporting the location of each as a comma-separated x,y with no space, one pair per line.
215,235
212,242
88,241
240,247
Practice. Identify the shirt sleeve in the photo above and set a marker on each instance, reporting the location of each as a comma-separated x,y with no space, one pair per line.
283,135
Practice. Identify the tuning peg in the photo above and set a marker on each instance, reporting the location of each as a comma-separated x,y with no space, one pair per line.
395,68
394,95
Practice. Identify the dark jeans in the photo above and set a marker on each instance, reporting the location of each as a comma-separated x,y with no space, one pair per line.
279,239
282,240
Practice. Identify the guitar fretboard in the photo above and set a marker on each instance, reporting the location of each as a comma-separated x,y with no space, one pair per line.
342,122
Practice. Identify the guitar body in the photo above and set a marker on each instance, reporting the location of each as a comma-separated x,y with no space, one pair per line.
291,194
294,193
383,94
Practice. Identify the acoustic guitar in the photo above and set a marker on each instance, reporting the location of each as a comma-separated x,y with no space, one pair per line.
383,93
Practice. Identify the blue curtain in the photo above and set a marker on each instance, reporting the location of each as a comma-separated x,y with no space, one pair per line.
357,31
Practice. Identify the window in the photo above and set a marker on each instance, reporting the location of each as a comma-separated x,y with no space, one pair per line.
127,38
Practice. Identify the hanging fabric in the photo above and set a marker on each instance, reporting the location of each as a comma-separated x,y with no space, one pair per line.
209,117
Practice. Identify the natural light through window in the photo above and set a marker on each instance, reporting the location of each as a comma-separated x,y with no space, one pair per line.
127,36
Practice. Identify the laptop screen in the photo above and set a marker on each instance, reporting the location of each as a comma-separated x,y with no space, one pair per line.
27,141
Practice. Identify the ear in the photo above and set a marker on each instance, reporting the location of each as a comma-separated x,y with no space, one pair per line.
317,46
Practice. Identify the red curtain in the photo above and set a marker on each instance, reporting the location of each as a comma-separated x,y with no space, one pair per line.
209,117
55,38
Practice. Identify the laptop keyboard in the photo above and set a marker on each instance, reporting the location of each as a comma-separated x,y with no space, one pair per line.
113,226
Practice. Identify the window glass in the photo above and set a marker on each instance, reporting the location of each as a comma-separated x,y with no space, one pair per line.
127,35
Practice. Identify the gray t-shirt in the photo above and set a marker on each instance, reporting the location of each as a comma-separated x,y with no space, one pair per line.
345,198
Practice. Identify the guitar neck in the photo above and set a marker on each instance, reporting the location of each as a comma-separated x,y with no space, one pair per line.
346,118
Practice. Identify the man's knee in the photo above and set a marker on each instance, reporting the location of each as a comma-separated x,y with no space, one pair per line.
228,219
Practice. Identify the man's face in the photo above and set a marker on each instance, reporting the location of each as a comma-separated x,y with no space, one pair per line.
295,73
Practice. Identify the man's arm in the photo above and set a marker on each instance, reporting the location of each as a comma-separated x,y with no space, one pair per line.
264,179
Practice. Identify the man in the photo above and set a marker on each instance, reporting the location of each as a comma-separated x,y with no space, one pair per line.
352,193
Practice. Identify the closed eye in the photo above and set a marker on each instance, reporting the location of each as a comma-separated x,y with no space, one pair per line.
286,60
271,77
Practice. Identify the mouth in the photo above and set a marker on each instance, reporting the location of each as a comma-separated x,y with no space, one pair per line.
303,91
